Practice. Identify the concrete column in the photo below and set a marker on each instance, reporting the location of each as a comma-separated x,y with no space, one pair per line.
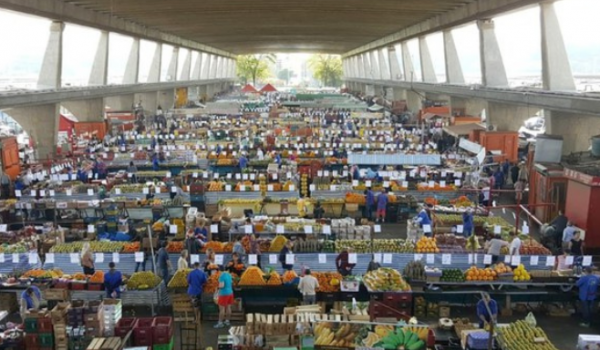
219,67
427,70
51,72
409,69
354,66
383,66
576,129
172,70
367,65
187,67
86,110
399,94
166,99
556,69
99,73
414,101
225,69
212,71
197,68
132,68
156,65
120,102
375,72
41,122
493,73
148,100
508,117
361,66
206,61
202,91
395,72
454,73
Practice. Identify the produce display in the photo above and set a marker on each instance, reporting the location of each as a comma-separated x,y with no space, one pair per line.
521,335
521,274
452,275
174,247
95,246
143,280
274,279
329,282
385,280
477,274
212,283
13,248
343,336
401,338
253,276
379,245
289,277
179,279
277,243
43,274
427,245
415,270
97,277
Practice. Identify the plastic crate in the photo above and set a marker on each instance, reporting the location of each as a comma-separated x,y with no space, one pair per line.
45,325
93,307
95,286
31,325
46,340
478,340
124,325
77,286
32,341
168,346
162,329
142,332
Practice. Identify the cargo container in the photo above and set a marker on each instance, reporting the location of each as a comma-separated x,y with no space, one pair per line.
11,164
506,142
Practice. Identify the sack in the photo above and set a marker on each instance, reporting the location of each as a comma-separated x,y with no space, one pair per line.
530,319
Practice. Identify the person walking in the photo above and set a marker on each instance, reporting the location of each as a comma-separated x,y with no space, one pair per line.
182,263
515,244
382,201
514,173
112,281
567,236
342,262
287,249
308,288
5,182
163,263
225,299
588,288
483,314
369,203
196,280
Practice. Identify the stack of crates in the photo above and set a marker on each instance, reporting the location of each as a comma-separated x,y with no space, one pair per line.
94,319
59,323
163,333
112,219
142,332
113,312
39,333
75,314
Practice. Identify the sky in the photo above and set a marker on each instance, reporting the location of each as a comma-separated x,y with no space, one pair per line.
518,35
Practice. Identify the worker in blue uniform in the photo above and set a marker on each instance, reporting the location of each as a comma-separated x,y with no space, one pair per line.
243,161
468,222
196,280
112,281
483,314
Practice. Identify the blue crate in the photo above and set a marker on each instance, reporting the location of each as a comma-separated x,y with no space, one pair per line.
478,340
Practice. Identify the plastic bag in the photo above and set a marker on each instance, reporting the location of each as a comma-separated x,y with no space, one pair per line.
216,297
530,319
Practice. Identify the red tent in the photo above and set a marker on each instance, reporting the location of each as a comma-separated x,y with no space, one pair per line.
268,88
249,89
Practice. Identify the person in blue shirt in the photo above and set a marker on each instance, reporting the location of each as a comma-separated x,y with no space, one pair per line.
218,150
196,280
287,249
155,162
153,143
243,162
82,175
371,174
163,262
112,281
369,203
467,222
482,311
355,173
278,159
225,299
498,179
588,288
505,168
19,185
382,201
423,219
30,300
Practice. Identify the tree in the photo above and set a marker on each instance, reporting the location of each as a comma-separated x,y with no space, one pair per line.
285,74
253,67
327,69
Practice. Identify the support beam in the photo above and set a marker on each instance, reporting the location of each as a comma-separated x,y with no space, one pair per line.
384,66
197,67
166,99
41,122
355,71
51,72
427,70
493,73
360,60
156,65
375,72
454,72
206,62
132,69
187,66
556,69
120,102
395,72
218,68
148,100
172,69
212,71
409,69
99,74
91,110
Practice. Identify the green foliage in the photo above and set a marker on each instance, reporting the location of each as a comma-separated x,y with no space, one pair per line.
327,69
254,67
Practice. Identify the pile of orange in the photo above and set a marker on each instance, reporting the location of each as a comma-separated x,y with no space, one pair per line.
427,245
355,198
501,268
477,274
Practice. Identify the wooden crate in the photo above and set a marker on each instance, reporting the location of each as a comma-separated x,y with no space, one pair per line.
58,294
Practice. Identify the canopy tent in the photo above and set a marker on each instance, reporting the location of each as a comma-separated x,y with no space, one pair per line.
268,88
249,89
375,108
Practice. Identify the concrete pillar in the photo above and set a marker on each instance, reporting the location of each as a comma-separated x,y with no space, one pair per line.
375,72
187,67
556,69
226,70
156,65
409,69
361,66
51,72
172,69
493,73
86,110
384,66
454,73
427,70
399,94
468,106
99,73
232,69
206,61
576,129
367,65
41,122
395,73
197,69
166,99
212,71
203,92
414,101
148,100
354,64
132,68
508,117
219,67
120,102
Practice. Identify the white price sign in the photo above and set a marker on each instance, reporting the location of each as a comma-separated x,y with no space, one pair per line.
322,258
248,229
534,260
280,229
352,258
272,259
387,258
446,259
430,259
139,256
289,259
377,257
219,259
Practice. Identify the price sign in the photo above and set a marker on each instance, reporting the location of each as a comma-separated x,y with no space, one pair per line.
534,260
168,174
32,193
69,192
376,228
214,228
3,228
460,228
116,258
569,260
326,229
49,258
430,259
446,259
387,258
219,259
456,182
443,183
322,258
487,259
156,190
587,260
145,190
194,258
308,229
18,193
33,258
139,256
195,175
312,188
377,257
238,176
275,176
256,188
289,259
90,192
507,259
272,259
405,184
173,189
117,191
525,229
280,229
173,229
42,193
74,258
368,183
354,183
91,228
550,260
292,188
245,177
228,188
458,174
99,257
248,229
515,260
270,188
497,229
418,257
352,259
431,184
426,228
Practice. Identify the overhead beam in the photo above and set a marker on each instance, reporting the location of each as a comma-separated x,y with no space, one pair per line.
565,102
462,15
61,11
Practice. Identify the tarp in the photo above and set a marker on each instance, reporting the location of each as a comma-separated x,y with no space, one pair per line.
375,108
268,88
249,88
66,123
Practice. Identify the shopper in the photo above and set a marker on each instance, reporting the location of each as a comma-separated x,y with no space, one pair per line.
255,247
382,201
209,264
196,280
30,300
467,218
567,236
5,182
342,262
493,247
483,314
505,169
163,263
225,299
112,282
576,248
182,263
519,188
373,265
484,198
238,248
369,203
514,173
588,288
87,260
308,288
498,179
236,265
287,249
423,219
132,172
515,244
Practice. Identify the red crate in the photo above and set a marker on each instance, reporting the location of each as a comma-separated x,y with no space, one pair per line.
61,284
95,286
163,328
32,341
77,286
142,331
124,325
161,340
44,325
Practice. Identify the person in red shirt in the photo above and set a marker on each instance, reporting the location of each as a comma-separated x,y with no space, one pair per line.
342,263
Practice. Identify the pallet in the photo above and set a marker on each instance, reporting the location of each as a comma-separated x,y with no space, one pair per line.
112,343
235,316
96,344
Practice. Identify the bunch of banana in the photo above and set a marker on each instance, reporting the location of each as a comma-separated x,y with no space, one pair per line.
343,337
401,339
421,332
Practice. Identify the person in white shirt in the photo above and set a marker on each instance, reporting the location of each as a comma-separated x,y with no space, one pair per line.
308,287
515,245
486,196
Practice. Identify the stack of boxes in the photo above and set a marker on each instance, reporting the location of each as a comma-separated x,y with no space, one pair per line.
112,219
113,311
155,332
59,323
8,302
94,319
38,329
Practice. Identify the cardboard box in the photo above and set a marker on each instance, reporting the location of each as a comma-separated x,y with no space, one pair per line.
444,311
59,313
588,341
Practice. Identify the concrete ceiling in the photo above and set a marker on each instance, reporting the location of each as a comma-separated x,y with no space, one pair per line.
246,26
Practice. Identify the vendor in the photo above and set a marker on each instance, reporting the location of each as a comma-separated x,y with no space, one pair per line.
494,246
182,263
373,265
423,219
30,300
112,282
87,260
342,263
243,162
369,203
201,232
209,264
287,249
467,218
483,314
192,244
382,201
236,265
150,194
318,211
